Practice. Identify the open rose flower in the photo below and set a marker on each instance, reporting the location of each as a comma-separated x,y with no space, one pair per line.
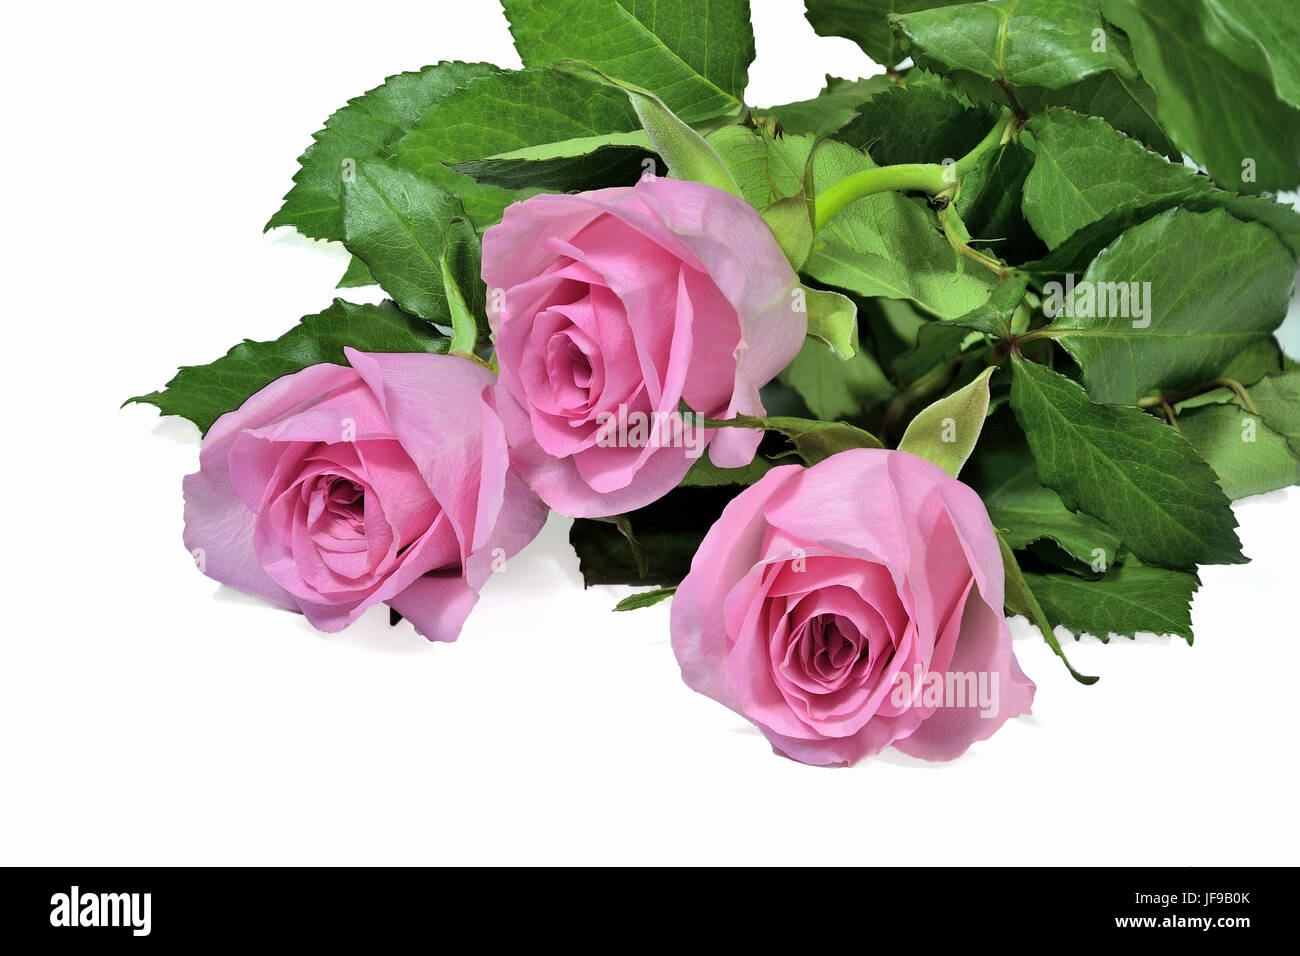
853,606
610,308
336,488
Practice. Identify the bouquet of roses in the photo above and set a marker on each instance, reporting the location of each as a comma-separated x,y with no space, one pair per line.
848,379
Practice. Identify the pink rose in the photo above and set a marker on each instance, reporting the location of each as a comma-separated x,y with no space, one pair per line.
612,306
853,606
336,488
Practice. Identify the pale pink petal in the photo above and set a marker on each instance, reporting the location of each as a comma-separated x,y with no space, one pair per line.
729,551
218,524
773,621
849,503
424,398
436,605
510,514
983,647
708,314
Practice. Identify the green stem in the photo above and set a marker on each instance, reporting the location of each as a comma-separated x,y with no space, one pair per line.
1043,332
955,232
909,177
1170,414
995,137
1235,386
1176,397
931,178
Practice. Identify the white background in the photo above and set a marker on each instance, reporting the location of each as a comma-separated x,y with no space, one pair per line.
148,716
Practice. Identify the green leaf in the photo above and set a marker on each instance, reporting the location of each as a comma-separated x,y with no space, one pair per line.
618,159
644,599
684,150
503,123
814,440
766,169
866,23
203,393
464,327
1277,399
996,317
832,320
937,344
1025,511
918,123
1249,457
1091,173
1262,36
1222,115
705,474
1127,104
889,245
945,431
830,109
989,203
1014,43
1129,598
1125,100
366,127
1120,465
1252,364
694,54
791,221
1019,599
402,226
1211,286
356,276
834,388
894,329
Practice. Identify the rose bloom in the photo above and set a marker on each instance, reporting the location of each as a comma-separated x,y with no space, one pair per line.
848,607
336,488
618,304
